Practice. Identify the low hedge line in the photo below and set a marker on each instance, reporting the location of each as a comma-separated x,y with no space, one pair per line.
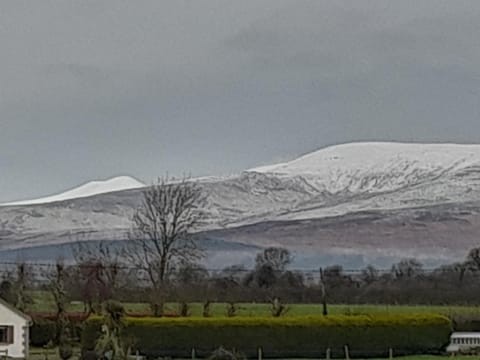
466,323
282,337
44,331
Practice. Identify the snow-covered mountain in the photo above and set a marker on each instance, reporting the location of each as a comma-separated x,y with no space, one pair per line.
91,188
375,176
374,167
352,203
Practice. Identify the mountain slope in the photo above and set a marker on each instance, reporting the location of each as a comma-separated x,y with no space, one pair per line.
375,167
379,201
89,189
362,176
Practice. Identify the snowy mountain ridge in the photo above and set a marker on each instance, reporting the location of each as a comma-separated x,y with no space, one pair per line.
91,188
355,203
372,167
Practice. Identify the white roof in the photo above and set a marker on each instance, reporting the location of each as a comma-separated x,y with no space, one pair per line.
465,334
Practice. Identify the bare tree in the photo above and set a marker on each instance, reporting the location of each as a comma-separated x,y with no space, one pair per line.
161,235
57,278
103,256
234,273
369,274
190,274
472,262
407,269
20,286
323,288
277,258
98,266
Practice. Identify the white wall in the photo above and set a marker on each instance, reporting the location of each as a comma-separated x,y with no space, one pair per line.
19,348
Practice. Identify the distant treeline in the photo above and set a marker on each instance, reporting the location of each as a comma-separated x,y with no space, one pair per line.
99,275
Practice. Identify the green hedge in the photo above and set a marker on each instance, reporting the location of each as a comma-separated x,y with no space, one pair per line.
466,323
283,337
42,332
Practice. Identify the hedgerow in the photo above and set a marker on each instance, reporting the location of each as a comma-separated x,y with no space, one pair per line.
42,332
365,335
44,327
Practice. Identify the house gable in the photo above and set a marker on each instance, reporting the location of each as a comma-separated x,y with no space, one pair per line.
14,312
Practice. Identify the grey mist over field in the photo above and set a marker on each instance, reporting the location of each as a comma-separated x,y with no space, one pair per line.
95,89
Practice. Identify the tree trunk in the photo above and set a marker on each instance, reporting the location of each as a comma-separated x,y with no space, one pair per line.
324,293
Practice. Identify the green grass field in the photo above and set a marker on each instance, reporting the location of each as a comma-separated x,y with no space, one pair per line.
249,309
43,302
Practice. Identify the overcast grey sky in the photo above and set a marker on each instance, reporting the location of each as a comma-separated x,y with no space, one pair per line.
94,89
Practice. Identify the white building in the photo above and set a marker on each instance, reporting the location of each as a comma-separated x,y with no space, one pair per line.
14,330
464,341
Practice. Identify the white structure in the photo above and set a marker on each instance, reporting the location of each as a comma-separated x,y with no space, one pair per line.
464,341
14,329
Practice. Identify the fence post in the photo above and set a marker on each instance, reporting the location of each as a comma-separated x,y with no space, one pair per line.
193,354
390,353
260,353
328,354
347,353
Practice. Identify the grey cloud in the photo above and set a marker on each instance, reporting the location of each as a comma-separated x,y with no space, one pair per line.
93,89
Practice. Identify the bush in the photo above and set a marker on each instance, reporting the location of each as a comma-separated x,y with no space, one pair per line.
44,323
65,352
224,354
42,332
285,336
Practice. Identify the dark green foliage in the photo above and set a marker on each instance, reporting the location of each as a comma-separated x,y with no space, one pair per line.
366,336
466,323
42,332
112,343
65,351
115,310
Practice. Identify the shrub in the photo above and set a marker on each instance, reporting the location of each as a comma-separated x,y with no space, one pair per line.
65,352
112,344
466,323
42,332
224,354
44,323
284,336
277,308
